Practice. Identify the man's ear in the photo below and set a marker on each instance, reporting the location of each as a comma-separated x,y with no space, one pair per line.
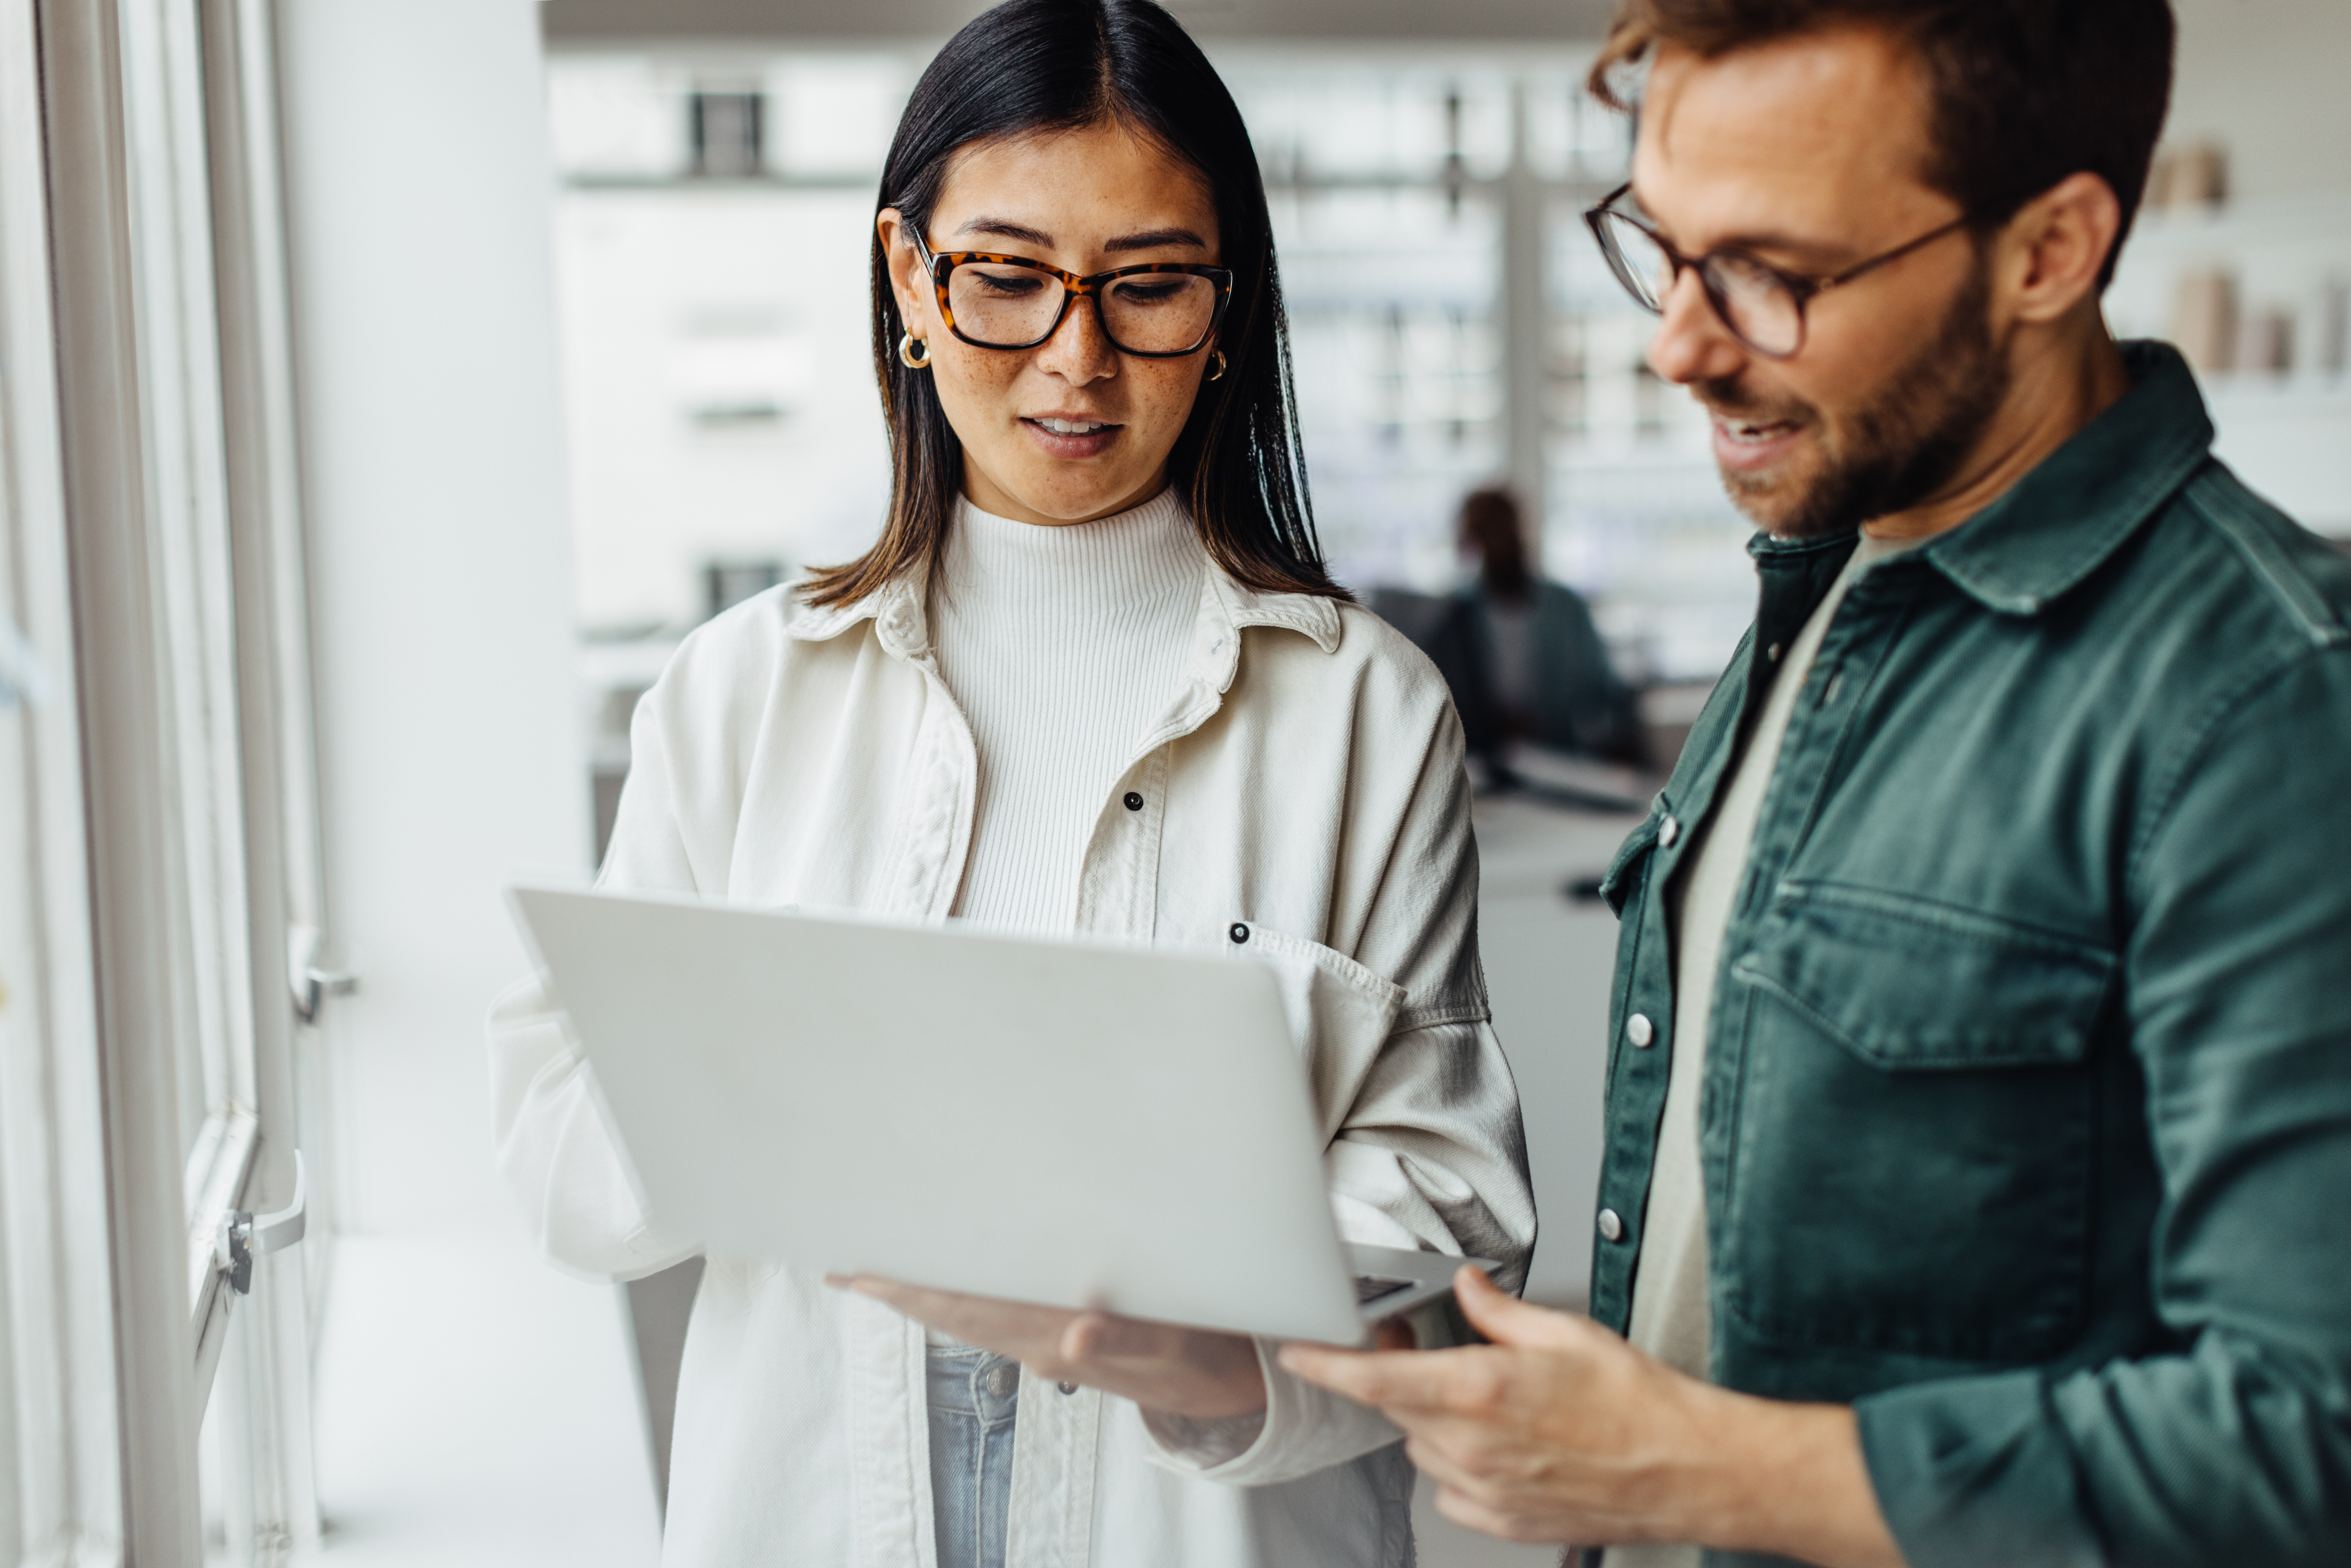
2052,251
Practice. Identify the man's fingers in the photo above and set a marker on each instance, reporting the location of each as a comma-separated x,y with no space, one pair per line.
1396,1380
1435,1449
1348,1372
1506,1320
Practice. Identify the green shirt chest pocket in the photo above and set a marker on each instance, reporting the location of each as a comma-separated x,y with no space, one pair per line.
1948,1215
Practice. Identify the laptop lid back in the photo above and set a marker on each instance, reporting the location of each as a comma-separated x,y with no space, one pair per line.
1046,1122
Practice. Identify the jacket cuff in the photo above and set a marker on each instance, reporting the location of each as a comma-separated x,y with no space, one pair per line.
1203,1441
1976,1470
1307,1428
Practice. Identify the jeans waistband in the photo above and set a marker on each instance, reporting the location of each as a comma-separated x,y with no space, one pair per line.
966,1380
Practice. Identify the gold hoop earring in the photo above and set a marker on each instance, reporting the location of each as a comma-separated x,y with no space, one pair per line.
907,342
1216,364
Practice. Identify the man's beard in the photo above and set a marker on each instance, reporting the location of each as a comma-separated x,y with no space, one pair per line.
1903,445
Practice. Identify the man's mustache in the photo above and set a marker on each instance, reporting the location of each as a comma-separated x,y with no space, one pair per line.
1733,398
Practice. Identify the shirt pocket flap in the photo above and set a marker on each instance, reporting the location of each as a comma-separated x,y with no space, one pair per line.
1906,982
1339,1014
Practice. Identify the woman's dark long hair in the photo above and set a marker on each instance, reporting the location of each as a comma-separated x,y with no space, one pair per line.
1032,66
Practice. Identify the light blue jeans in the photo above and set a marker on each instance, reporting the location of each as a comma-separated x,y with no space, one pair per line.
974,1395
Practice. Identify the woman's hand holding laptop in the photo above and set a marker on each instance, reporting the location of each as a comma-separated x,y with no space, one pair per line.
1194,1372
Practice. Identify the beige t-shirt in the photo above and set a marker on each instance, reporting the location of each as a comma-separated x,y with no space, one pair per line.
1671,1316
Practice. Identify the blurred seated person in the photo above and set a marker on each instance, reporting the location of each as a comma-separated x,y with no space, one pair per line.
1547,675
1520,653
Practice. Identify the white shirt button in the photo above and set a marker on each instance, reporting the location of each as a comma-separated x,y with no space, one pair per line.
1669,831
1640,1030
1612,1226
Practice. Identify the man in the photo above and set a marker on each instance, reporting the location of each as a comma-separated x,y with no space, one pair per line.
1980,1101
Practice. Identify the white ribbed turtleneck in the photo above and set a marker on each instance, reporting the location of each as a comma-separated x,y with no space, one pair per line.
1061,644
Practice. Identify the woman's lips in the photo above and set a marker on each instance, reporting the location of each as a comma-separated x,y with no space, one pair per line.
1752,445
1076,438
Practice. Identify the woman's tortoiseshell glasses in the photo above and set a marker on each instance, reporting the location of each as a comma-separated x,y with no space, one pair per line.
1157,311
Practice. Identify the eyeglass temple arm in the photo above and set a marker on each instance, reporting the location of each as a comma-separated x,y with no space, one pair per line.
1896,254
923,248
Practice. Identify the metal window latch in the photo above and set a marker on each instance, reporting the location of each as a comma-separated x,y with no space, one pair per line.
245,1235
311,984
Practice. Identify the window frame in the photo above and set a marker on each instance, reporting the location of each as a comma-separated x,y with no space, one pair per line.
61,1460
166,848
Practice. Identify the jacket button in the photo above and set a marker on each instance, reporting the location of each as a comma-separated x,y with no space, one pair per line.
1239,932
1669,831
1640,1030
1611,1226
1772,653
1133,801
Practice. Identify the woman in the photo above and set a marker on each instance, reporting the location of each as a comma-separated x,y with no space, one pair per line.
1092,678
1546,670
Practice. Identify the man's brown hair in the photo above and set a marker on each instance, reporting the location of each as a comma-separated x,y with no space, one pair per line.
2025,93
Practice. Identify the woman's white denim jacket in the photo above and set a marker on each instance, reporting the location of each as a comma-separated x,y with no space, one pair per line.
1305,778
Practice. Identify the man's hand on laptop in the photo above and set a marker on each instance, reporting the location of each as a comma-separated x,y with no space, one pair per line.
1193,1372
1559,1430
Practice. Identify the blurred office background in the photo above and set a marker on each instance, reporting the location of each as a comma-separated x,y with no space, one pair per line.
571,323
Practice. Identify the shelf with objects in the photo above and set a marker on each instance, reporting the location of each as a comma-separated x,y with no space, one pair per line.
2256,291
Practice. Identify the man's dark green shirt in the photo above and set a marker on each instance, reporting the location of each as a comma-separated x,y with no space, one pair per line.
2026,1117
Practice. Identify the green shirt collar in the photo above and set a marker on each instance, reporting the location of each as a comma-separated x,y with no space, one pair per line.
2061,522
2064,518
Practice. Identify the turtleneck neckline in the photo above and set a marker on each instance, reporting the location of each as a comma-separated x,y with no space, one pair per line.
1162,515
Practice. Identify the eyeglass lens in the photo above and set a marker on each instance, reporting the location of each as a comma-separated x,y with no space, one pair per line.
1150,313
1753,301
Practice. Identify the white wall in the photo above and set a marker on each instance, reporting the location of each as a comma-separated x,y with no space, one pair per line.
419,203
475,1409
681,301
2267,79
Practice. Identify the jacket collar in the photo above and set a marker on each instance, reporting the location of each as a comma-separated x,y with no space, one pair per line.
2062,520
896,610
1240,606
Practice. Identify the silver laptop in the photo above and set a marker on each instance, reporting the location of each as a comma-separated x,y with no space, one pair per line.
1074,1125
